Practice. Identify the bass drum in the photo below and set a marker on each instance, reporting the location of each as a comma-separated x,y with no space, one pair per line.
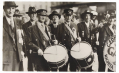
56,56
109,53
83,54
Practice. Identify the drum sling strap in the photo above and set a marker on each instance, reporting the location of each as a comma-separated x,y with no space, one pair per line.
68,29
43,33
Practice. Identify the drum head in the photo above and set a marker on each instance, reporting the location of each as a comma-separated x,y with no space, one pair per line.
109,53
55,53
80,51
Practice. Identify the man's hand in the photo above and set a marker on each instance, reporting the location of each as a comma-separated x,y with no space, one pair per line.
97,42
55,42
79,39
22,54
40,52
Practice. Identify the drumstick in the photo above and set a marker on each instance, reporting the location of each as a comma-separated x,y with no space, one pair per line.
79,43
55,45
50,53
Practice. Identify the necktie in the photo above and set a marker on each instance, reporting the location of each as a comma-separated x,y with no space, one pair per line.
11,23
43,26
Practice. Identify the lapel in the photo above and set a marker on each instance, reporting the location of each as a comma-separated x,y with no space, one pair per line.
7,28
109,32
85,29
47,31
36,32
29,24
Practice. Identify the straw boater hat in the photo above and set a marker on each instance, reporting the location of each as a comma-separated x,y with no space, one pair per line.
54,13
17,13
10,4
86,12
42,12
31,10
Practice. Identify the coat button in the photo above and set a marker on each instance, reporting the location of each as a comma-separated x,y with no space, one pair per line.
65,34
64,39
36,39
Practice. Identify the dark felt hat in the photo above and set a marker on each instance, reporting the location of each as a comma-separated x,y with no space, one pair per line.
42,12
31,10
10,4
86,12
17,13
54,13
68,11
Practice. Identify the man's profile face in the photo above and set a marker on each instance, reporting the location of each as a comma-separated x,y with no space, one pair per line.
32,16
41,18
55,18
68,18
9,11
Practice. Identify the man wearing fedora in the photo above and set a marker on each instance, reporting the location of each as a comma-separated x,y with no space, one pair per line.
39,39
85,31
54,17
67,36
32,14
12,48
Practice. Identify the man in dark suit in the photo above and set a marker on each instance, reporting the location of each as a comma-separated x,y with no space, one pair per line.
32,14
108,30
67,36
54,17
85,30
39,39
12,46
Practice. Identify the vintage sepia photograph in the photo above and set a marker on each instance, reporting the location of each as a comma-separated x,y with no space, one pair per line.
59,36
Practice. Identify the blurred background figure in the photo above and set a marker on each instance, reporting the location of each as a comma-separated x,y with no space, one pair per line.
18,18
94,18
74,19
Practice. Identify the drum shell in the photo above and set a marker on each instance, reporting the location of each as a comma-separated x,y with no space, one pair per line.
58,64
84,63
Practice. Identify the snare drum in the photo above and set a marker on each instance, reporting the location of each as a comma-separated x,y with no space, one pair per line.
83,54
56,56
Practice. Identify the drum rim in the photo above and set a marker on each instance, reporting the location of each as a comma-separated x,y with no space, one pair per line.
63,63
104,49
54,45
86,56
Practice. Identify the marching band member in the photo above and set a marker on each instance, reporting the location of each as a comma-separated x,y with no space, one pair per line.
32,14
54,17
85,30
12,47
39,39
67,35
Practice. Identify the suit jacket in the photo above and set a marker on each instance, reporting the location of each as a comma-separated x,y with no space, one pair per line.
53,31
10,47
104,34
25,38
65,38
36,39
83,32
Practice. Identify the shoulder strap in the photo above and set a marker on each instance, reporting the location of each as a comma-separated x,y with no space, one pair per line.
43,33
70,31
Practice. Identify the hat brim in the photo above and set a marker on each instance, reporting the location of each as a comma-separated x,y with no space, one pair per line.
50,16
83,14
30,12
10,6
42,15
17,15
